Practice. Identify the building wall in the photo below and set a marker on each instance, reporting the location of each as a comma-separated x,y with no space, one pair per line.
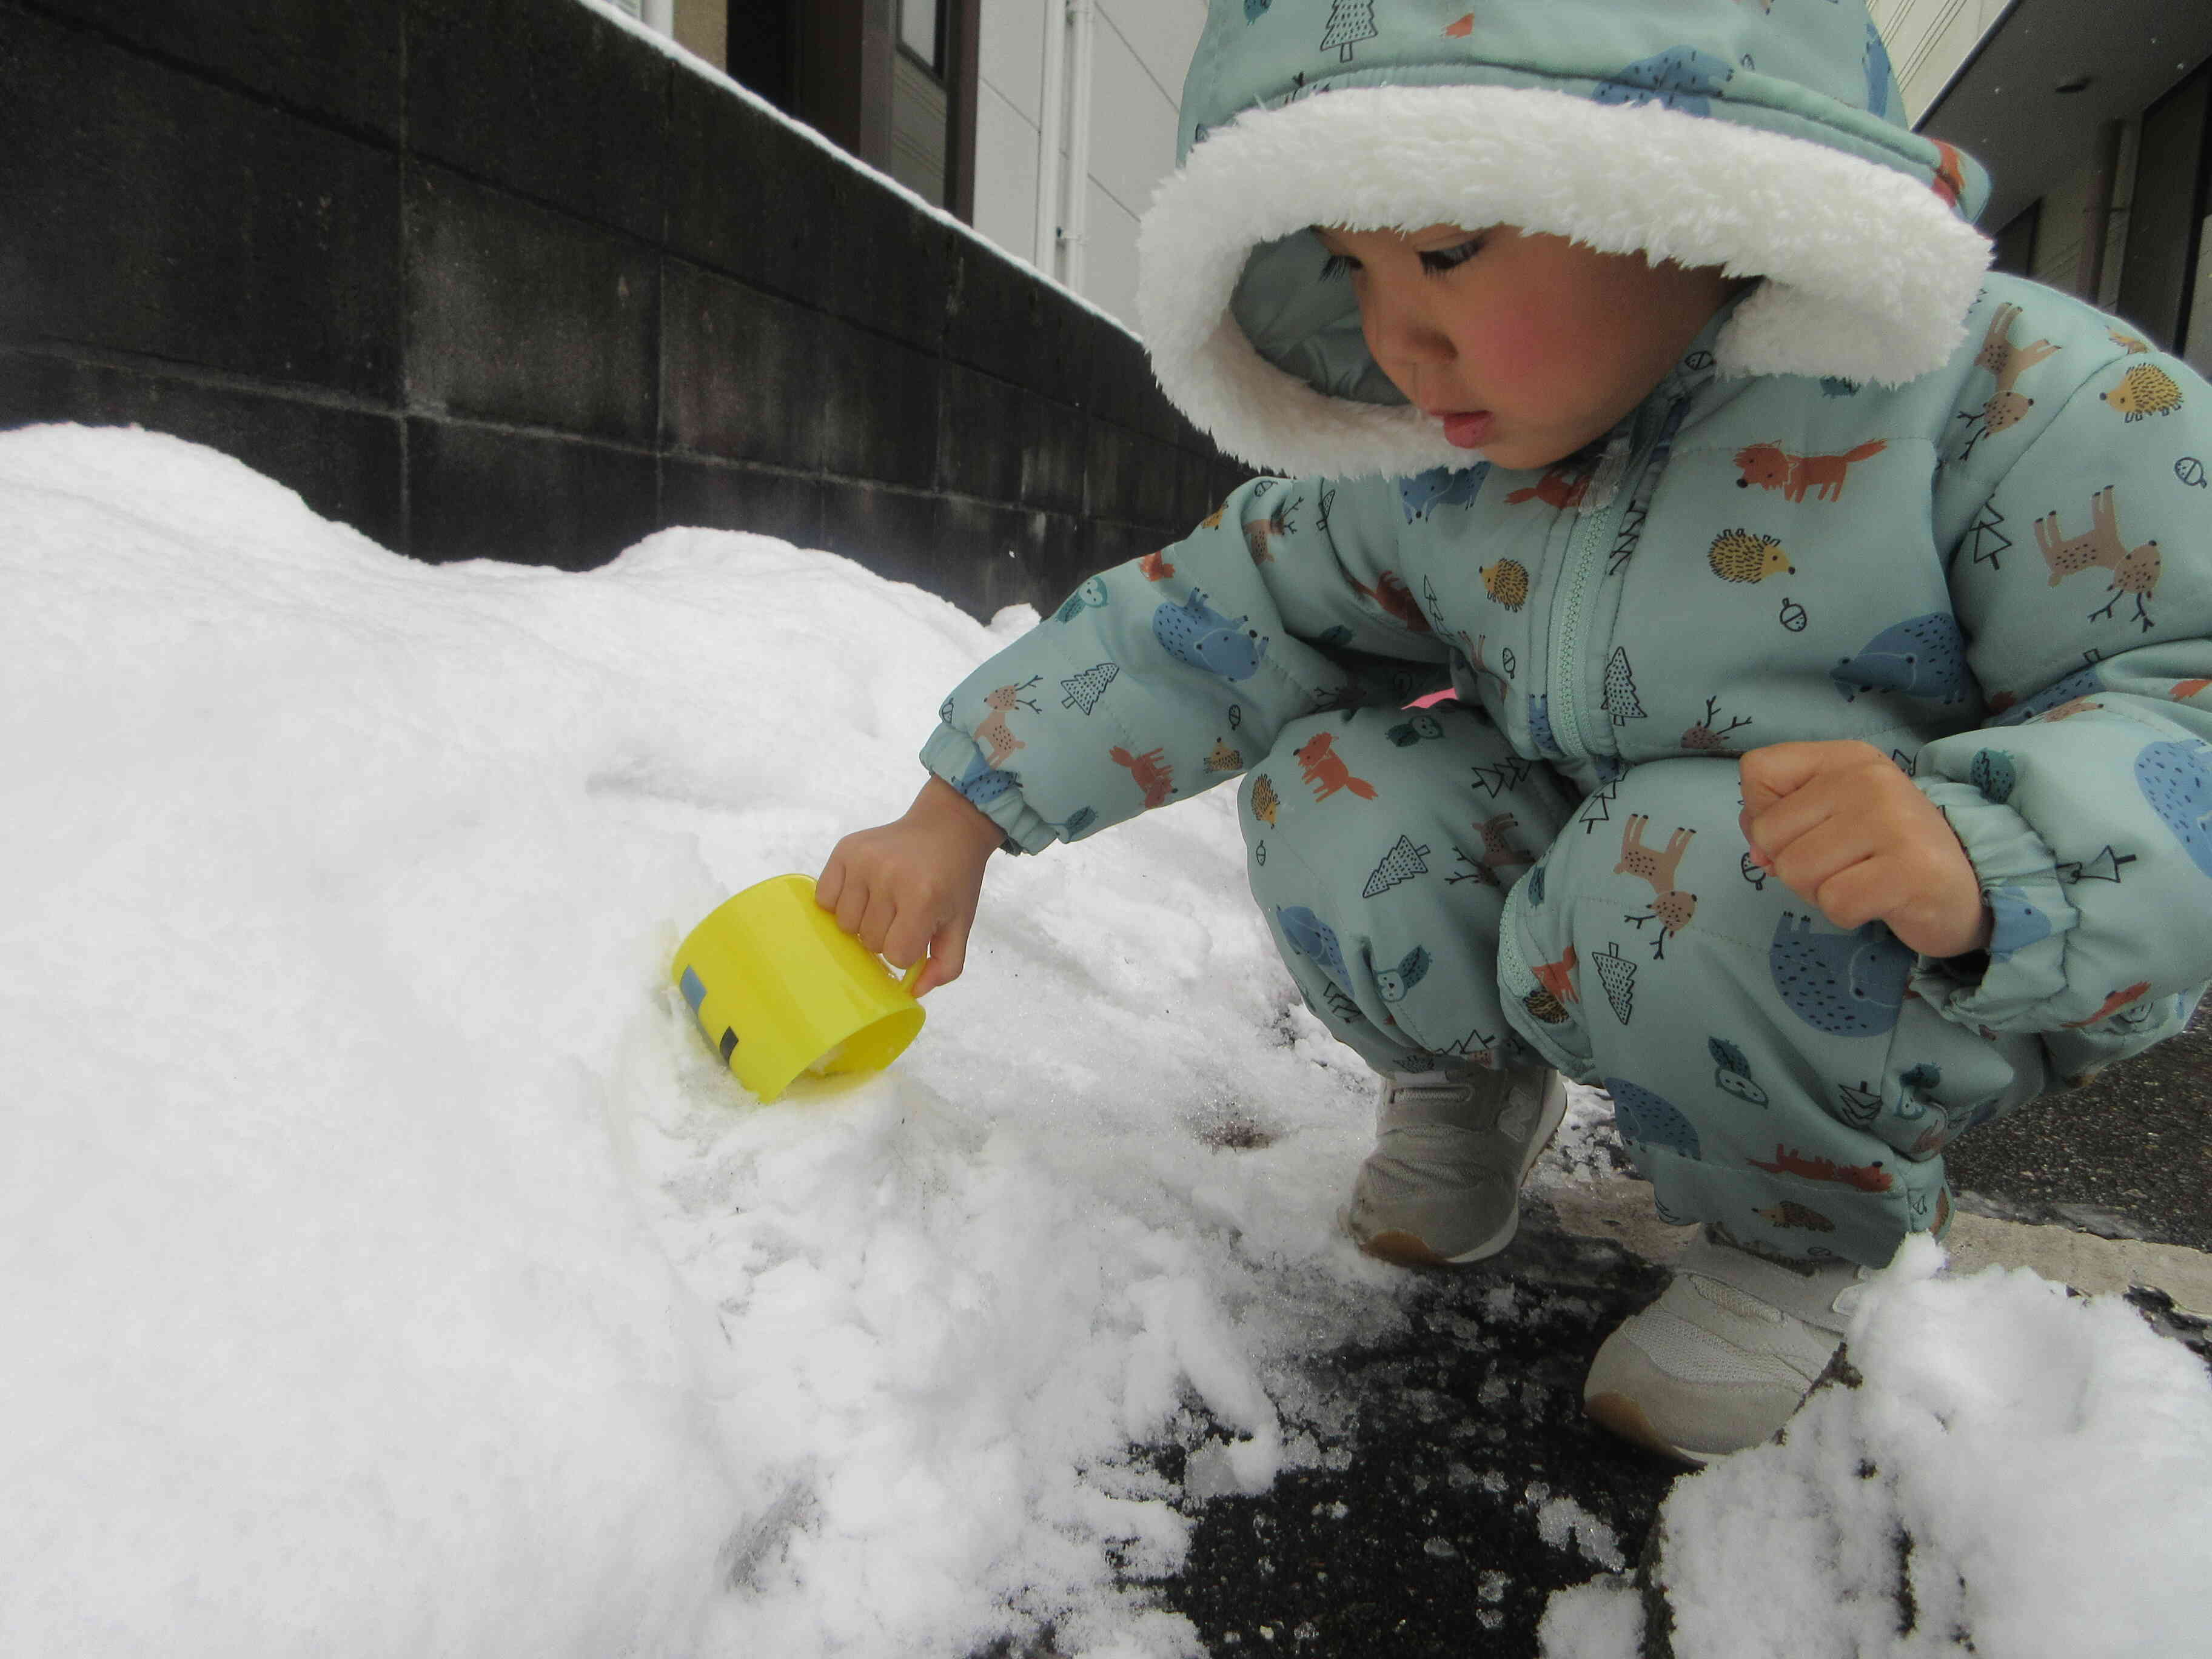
1140,50
1929,39
503,278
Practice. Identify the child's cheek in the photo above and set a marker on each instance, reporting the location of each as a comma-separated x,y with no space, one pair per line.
1527,349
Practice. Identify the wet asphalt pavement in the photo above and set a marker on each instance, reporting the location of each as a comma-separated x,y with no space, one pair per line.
1440,1531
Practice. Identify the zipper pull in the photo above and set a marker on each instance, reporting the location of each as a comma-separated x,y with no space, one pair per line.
1611,467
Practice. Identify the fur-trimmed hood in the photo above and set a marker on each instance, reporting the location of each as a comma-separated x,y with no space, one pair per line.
1764,136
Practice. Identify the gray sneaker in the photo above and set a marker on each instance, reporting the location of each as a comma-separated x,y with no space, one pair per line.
1443,1186
1725,1355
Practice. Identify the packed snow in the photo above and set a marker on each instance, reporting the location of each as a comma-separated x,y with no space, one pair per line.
392,1269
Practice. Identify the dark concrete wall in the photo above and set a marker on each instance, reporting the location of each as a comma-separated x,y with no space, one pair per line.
497,278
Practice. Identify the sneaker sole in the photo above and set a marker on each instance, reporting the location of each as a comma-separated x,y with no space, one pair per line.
1404,1249
1620,1415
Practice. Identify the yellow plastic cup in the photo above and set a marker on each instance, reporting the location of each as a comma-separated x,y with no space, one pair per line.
781,989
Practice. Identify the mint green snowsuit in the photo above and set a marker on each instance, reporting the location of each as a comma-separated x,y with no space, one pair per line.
1883,497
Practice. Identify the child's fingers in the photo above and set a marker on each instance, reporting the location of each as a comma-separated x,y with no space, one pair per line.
877,919
852,903
948,955
830,883
1783,769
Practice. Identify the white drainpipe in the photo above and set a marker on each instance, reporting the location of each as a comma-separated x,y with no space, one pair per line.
1076,214
660,17
1051,118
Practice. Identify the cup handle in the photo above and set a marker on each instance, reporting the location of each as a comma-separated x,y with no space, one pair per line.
908,980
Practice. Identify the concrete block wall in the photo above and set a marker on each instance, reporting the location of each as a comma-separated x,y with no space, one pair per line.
499,278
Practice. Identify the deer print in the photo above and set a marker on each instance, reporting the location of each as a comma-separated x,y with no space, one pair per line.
1703,739
1670,906
993,732
2135,570
2006,407
1497,852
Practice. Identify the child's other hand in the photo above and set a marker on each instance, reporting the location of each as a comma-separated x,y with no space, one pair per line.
914,884
1849,833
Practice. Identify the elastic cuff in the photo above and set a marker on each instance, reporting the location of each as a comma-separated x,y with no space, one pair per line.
2023,987
952,755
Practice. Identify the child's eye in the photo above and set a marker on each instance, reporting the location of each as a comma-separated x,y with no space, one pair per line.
1336,265
1444,260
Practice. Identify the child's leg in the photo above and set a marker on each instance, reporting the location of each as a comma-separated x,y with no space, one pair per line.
1770,1072
1380,843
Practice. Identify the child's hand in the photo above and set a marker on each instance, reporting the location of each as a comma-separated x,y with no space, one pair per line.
914,884
1852,835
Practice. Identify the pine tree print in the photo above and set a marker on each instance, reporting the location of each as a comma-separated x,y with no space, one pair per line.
1085,688
1987,540
1617,975
1350,21
1401,864
1619,699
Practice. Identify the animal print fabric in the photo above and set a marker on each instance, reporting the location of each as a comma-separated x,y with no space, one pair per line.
1999,575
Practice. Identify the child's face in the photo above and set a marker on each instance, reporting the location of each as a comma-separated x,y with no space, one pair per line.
1536,344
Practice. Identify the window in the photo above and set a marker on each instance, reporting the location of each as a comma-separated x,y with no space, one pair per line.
921,32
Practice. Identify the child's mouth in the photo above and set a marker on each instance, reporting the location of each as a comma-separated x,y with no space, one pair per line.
1468,431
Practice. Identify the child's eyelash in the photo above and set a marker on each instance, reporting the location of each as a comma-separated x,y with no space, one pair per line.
1436,264
1448,258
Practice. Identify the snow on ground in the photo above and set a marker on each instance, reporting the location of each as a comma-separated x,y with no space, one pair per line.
392,1269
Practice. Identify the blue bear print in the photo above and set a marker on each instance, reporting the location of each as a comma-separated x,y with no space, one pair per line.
2081,683
1682,77
1879,76
1540,728
983,783
1194,633
1845,984
2176,781
1312,937
1440,486
2014,922
1924,657
1646,1118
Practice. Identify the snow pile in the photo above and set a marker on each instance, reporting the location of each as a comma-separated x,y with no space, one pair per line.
390,1268
2020,1471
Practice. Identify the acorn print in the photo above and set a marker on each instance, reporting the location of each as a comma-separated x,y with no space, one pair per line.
2144,390
1264,800
1786,1214
1793,615
1738,555
1507,582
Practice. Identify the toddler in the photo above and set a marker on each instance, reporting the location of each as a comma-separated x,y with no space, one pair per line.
1824,769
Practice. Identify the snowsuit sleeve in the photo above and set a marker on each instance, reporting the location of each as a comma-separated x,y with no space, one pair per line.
2083,580
1158,678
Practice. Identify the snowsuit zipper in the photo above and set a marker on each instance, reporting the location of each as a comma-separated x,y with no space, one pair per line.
1596,530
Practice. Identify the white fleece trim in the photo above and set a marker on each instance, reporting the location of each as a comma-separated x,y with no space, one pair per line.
1868,273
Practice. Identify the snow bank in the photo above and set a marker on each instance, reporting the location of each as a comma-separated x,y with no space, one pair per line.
2019,1472
390,1269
